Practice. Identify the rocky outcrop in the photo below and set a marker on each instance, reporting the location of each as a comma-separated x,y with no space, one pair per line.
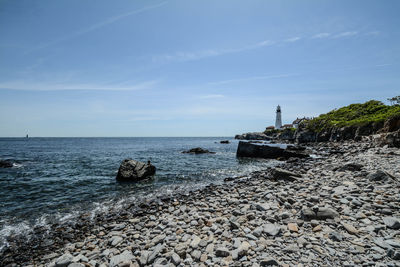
305,137
224,142
132,171
391,139
5,164
198,150
252,136
286,135
384,133
259,150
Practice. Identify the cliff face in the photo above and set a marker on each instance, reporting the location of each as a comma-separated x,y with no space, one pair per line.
386,132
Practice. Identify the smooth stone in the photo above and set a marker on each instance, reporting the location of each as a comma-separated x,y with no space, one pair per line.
156,251
243,248
64,260
335,236
195,241
222,252
319,213
392,222
268,262
271,229
125,256
350,228
115,240
293,227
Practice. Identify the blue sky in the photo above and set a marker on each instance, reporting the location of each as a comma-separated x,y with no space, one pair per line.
189,68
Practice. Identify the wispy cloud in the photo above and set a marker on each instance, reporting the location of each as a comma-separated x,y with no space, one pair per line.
373,33
345,34
211,96
188,56
55,86
266,77
293,39
96,26
321,35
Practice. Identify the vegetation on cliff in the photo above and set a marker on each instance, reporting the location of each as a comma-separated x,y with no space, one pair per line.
353,115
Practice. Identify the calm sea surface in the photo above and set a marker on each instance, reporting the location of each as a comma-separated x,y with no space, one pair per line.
54,179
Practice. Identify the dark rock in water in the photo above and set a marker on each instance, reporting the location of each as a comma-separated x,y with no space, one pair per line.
5,164
319,213
280,174
247,149
378,176
252,136
350,167
198,150
224,142
132,170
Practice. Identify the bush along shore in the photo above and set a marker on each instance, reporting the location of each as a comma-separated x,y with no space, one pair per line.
338,208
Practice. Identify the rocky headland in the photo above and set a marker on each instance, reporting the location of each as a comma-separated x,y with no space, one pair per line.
371,121
340,207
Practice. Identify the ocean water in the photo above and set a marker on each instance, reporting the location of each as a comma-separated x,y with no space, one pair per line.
55,179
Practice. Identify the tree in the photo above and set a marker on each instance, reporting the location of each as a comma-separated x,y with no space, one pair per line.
394,100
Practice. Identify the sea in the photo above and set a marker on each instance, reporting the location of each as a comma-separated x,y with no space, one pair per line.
56,179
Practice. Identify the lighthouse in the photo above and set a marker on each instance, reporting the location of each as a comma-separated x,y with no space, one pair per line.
278,121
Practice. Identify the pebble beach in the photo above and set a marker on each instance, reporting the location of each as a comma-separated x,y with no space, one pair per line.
341,207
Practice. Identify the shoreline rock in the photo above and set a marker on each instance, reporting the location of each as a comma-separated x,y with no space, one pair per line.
255,150
133,171
197,150
253,136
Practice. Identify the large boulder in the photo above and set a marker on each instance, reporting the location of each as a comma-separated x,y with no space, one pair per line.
260,150
132,170
198,150
319,213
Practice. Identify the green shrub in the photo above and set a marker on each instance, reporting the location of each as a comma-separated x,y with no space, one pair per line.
353,115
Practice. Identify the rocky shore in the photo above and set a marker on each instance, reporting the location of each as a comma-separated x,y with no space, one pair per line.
340,208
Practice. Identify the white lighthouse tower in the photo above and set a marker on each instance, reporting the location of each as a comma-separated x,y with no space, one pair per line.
278,121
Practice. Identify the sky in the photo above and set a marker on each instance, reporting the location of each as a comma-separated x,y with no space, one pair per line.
189,68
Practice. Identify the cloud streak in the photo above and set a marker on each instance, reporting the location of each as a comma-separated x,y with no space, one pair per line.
345,34
95,26
253,78
213,96
197,55
189,56
321,35
293,39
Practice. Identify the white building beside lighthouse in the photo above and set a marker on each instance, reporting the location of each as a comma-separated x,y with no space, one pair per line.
278,121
